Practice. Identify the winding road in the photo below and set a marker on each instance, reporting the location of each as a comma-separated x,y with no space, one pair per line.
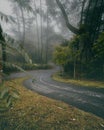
85,98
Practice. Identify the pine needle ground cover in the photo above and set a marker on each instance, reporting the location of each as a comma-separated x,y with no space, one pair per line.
35,112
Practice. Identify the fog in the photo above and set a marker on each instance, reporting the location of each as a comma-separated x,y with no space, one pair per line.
38,25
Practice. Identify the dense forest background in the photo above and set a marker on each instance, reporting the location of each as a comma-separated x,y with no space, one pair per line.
82,56
70,33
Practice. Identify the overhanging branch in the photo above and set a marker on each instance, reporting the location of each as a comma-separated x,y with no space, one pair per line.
70,27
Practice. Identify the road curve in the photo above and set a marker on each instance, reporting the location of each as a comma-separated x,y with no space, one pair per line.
85,98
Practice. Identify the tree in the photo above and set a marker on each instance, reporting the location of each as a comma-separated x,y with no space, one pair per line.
90,25
4,44
18,22
70,27
41,30
98,60
61,56
2,40
4,18
37,29
23,5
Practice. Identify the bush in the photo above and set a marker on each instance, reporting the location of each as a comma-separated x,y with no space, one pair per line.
10,69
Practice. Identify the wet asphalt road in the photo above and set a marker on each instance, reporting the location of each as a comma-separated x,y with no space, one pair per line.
85,98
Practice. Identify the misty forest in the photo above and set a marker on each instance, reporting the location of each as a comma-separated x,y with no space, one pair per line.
64,36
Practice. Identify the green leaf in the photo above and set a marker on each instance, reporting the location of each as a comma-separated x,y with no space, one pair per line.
9,102
4,93
15,94
8,98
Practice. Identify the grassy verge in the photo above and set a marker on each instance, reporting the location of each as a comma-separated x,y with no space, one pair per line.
85,83
35,112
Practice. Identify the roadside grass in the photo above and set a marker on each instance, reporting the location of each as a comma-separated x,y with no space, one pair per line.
35,112
84,83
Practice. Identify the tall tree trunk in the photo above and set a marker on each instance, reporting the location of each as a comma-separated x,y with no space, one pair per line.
99,22
74,70
18,23
23,22
47,38
3,51
37,28
41,24
83,5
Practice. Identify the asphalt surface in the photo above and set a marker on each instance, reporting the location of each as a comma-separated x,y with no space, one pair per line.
85,98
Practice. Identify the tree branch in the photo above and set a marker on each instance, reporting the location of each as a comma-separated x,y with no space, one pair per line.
70,27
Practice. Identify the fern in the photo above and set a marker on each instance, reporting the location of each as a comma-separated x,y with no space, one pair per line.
16,47
7,96
6,18
7,93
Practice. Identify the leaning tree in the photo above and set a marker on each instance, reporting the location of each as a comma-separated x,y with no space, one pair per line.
91,22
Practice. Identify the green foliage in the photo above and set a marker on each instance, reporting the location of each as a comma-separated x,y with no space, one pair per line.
98,48
9,46
96,65
74,45
23,67
73,57
68,56
8,95
14,48
61,55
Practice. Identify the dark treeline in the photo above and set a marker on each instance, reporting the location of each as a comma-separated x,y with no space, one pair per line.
83,55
